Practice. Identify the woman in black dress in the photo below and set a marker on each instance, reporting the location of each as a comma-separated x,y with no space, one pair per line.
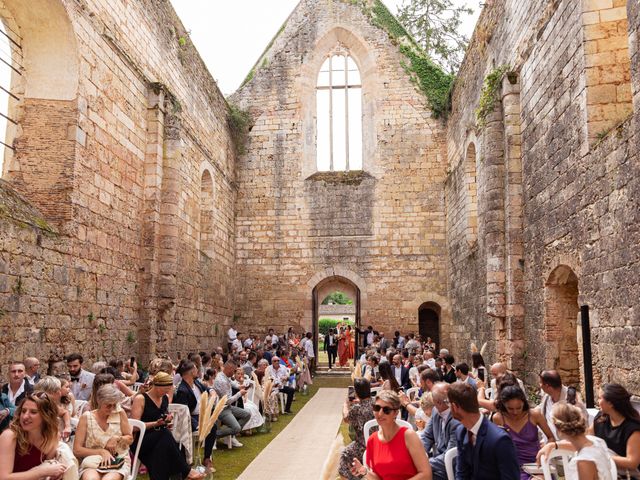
159,452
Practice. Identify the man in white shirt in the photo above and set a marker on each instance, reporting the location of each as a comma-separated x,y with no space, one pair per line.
412,343
18,386
81,380
429,361
555,392
232,418
280,377
232,334
308,347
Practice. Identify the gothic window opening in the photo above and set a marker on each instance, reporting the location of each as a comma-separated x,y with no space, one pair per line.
206,215
10,69
339,114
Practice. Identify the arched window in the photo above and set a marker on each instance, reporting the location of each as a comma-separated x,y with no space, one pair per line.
471,194
339,114
10,68
206,214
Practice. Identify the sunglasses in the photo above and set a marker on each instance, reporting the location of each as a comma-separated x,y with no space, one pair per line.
385,410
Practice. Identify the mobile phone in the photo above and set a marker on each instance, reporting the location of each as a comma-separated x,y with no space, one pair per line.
133,360
351,393
179,356
481,374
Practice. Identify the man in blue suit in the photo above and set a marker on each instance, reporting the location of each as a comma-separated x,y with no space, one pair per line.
485,451
440,433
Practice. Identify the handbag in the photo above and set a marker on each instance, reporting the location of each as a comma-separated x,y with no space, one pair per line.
95,462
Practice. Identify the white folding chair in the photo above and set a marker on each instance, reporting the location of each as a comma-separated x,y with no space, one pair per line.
375,391
79,406
282,397
135,466
374,423
251,396
562,454
412,393
136,386
488,392
591,413
448,462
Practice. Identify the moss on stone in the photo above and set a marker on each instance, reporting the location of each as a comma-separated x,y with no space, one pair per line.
489,94
16,209
239,122
262,60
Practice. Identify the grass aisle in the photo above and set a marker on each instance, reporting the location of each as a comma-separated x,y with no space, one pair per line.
231,463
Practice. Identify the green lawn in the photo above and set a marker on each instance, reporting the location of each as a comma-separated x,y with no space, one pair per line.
231,463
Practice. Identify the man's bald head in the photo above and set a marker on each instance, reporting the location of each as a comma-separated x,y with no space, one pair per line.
498,369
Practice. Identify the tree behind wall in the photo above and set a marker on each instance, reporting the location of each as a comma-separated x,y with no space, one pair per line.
435,24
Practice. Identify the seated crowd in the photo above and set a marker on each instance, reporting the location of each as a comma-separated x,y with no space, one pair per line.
483,418
76,422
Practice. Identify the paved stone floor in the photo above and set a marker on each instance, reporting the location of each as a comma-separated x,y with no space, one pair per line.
300,450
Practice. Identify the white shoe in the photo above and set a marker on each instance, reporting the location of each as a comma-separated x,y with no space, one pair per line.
235,443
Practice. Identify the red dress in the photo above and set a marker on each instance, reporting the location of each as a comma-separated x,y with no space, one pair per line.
23,463
390,460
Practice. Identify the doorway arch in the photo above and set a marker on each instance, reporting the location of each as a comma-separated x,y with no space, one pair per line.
324,288
429,322
561,324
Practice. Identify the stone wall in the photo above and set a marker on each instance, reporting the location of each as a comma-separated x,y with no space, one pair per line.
553,201
112,151
383,228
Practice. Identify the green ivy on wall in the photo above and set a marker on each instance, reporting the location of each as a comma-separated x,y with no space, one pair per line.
489,94
432,81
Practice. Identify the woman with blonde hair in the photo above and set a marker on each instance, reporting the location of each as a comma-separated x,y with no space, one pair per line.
31,440
591,461
53,388
103,437
393,452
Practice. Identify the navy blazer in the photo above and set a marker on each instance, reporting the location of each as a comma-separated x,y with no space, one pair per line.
493,457
185,396
404,376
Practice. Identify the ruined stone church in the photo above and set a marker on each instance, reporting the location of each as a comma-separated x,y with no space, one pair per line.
142,213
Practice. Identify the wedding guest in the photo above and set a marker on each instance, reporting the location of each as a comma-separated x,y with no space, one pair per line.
393,452
81,380
591,461
28,447
32,367
521,423
18,386
356,411
103,437
159,452
618,424
485,451
53,388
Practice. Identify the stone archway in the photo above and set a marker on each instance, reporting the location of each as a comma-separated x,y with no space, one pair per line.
561,323
429,322
324,288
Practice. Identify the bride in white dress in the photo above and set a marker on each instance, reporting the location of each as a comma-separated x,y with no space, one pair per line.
256,417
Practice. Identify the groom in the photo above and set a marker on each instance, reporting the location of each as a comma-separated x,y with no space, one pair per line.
331,346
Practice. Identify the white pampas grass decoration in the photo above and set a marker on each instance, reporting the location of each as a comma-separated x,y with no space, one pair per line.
203,409
213,418
483,349
474,348
330,467
257,394
266,394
